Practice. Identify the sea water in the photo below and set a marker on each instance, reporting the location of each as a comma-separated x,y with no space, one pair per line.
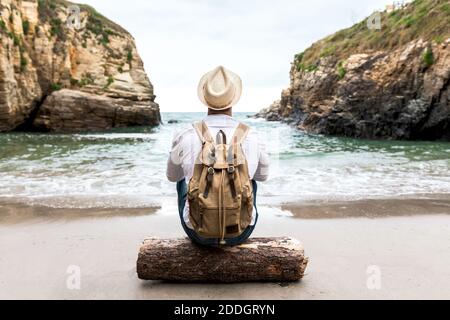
126,167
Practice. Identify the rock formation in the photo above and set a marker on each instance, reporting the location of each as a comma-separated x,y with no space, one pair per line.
392,83
59,76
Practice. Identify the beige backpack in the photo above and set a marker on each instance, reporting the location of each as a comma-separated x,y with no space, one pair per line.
220,192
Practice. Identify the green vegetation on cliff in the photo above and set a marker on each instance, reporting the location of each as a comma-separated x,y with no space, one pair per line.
428,57
96,24
426,19
25,26
2,25
100,26
341,71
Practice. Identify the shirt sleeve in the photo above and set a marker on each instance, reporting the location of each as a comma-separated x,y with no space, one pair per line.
174,170
262,170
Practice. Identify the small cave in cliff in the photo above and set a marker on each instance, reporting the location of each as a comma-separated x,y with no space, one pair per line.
436,124
438,132
28,124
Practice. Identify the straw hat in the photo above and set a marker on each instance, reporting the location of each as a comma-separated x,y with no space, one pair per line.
220,88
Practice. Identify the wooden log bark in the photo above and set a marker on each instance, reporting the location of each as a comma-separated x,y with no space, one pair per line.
258,259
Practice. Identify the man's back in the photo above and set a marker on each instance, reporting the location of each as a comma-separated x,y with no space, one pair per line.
186,146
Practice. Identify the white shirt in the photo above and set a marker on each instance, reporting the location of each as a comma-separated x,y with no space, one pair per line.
186,146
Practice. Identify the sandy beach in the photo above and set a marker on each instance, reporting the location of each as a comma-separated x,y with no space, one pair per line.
411,250
338,111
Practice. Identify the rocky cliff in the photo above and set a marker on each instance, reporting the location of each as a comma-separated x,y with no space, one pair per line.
389,83
57,76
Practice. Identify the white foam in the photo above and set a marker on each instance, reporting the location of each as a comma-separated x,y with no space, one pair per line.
127,168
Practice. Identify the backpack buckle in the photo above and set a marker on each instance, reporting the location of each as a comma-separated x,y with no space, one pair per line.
209,178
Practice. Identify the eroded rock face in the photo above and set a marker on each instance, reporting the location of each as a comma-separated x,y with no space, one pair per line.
73,111
98,64
385,94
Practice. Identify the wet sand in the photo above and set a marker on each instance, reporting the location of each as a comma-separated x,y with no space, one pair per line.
408,240
370,208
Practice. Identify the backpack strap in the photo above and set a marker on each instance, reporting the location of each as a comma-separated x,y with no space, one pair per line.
202,131
205,136
240,133
237,139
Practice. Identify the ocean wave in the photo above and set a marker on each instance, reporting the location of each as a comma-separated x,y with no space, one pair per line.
128,167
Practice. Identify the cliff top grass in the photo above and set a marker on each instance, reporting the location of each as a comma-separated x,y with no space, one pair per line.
99,22
426,19
96,23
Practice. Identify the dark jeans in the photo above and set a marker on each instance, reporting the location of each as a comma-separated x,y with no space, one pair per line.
182,194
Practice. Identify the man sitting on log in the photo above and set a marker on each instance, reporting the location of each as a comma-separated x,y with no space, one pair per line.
221,158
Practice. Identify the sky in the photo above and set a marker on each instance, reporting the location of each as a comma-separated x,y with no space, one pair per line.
180,40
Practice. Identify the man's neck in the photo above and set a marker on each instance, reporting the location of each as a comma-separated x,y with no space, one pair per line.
227,112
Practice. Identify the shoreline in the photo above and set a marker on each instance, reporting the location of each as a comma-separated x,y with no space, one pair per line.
13,211
369,208
38,244
113,202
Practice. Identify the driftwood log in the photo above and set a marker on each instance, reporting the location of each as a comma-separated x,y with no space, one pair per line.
258,259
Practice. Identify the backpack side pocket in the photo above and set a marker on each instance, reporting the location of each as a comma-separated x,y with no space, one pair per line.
246,205
194,209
